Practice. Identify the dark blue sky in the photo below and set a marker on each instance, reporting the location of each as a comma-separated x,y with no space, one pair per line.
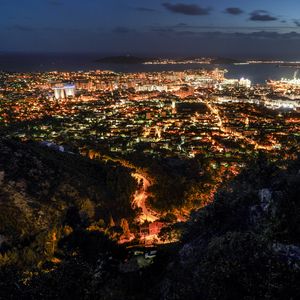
216,27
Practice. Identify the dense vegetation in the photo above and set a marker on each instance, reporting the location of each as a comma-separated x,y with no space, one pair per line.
183,183
46,195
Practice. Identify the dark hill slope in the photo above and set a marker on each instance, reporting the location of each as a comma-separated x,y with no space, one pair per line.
246,244
42,189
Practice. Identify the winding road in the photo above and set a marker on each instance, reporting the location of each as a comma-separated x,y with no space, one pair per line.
140,199
141,195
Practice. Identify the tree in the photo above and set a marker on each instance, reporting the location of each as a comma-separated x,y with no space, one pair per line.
111,221
72,217
125,227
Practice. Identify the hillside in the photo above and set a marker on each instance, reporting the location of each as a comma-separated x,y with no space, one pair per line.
246,244
57,233
44,192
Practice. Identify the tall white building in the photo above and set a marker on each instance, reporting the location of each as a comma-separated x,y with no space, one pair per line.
69,90
245,82
64,91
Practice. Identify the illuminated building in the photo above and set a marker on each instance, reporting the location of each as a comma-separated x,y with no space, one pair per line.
173,104
64,91
245,82
59,92
69,90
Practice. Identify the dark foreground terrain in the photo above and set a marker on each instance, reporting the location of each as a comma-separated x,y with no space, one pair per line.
61,215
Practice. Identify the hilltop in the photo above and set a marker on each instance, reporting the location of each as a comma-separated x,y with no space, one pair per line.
244,245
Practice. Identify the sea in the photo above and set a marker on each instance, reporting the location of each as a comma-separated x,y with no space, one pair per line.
257,73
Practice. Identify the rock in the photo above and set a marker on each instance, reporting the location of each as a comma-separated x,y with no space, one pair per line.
290,253
265,196
2,175
2,239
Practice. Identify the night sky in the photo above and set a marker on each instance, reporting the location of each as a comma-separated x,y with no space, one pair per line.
266,28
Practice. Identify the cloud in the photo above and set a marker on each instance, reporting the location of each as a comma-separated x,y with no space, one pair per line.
46,29
261,15
146,9
269,35
226,33
54,29
297,23
186,33
122,30
24,28
187,9
233,11
166,30
182,24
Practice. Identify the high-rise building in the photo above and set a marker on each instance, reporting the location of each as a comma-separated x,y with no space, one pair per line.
63,91
59,92
245,82
173,104
69,90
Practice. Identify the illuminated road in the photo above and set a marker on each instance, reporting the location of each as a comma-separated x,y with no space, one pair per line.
235,133
140,199
141,195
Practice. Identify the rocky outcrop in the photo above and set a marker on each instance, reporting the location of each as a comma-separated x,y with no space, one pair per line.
245,245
